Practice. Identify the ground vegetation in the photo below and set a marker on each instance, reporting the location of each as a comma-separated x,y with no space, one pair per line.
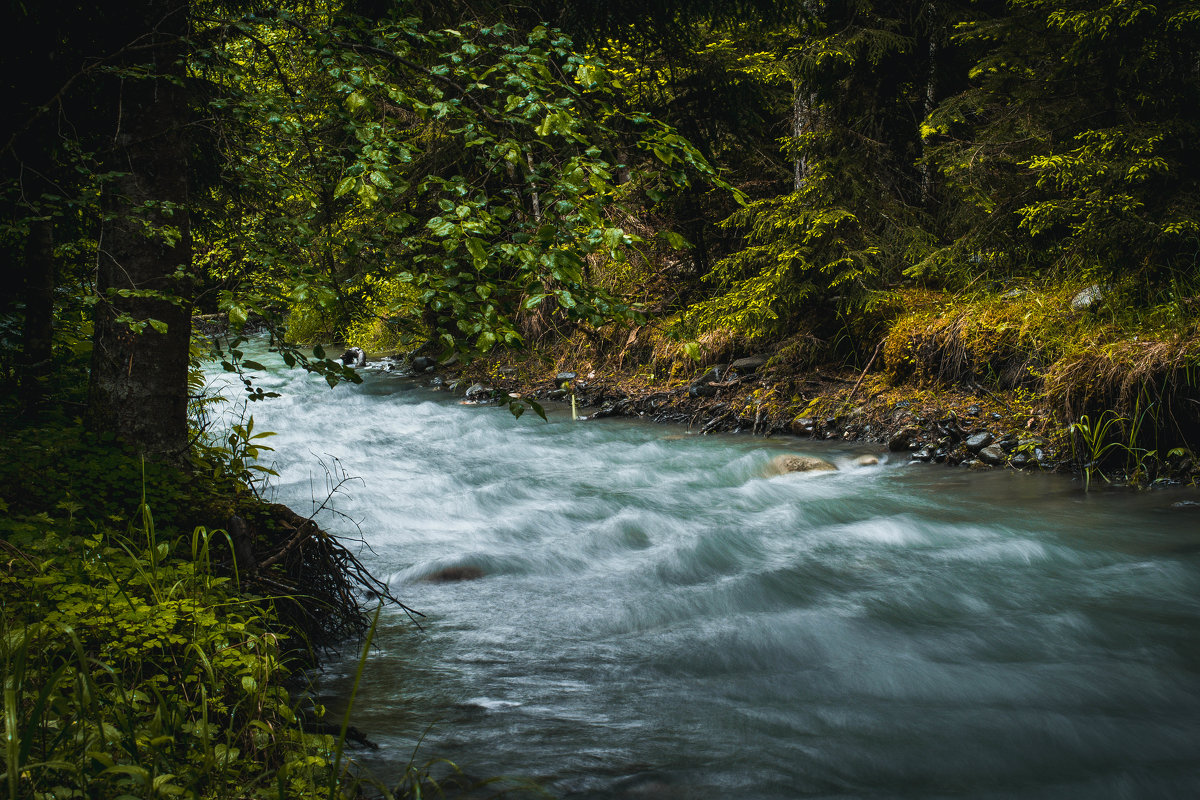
925,224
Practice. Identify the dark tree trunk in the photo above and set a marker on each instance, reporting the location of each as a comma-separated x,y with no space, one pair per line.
37,336
138,386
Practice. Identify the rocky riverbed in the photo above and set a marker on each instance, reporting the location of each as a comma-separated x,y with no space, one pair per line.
955,426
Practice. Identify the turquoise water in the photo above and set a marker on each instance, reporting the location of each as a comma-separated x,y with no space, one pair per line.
655,619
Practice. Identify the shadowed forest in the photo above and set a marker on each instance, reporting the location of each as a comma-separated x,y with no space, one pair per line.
783,217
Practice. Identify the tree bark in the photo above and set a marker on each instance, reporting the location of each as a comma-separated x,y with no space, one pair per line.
930,100
802,102
138,386
37,335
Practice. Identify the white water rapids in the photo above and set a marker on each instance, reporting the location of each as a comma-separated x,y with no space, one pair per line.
654,619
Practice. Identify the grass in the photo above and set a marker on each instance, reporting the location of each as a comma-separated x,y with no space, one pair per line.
132,669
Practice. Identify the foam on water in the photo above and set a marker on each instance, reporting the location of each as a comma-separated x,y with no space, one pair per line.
650,616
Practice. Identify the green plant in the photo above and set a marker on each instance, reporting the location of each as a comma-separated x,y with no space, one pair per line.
1090,442
131,669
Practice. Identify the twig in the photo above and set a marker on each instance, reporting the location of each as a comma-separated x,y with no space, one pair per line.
867,368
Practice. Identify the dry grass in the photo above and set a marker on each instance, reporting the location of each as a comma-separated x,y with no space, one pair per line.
1143,369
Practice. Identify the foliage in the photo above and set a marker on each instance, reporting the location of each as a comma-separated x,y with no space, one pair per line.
1071,149
132,669
452,182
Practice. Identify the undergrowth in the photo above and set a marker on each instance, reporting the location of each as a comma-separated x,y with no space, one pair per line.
132,669
1122,380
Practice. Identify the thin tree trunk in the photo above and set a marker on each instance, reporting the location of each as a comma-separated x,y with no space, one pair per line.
138,383
38,333
533,193
801,112
930,99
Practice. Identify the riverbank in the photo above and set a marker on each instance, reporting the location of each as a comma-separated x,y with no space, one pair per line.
1042,380
158,624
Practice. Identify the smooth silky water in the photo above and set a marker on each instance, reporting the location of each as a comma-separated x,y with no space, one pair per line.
657,620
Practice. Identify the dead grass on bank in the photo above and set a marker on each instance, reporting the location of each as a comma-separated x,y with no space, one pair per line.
1141,369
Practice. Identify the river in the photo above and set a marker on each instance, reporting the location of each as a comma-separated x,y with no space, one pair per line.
655,619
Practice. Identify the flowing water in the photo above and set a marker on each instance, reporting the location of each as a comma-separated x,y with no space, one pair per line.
655,619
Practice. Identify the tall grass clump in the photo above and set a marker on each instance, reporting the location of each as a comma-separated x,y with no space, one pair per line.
132,669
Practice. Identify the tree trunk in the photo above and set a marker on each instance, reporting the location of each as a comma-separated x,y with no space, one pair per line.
930,100
801,111
37,336
138,386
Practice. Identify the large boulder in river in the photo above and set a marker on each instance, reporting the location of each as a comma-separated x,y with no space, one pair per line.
354,357
782,465
455,574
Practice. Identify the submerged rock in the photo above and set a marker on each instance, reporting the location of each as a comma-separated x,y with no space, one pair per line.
866,461
455,574
782,465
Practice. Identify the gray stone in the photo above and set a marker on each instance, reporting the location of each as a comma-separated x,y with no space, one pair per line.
866,461
992,454
974,411
702,390
354,357
478,392
564,377
923,454
978,441
782,465
1088,298
902,440
804,426
710,375
423,364
508,372
748,365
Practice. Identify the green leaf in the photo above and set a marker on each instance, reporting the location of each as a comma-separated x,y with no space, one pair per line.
344,186
478,250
